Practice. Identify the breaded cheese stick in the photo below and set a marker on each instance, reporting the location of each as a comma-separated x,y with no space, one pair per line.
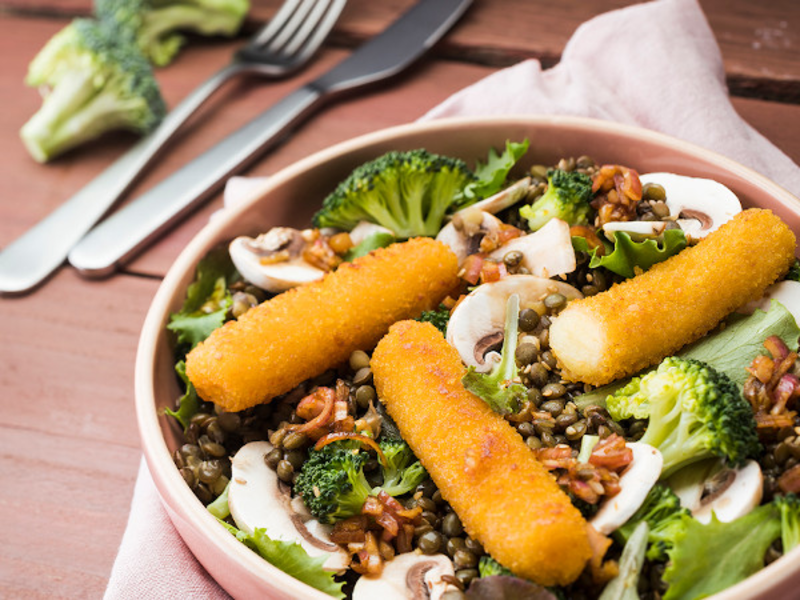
635,324
504,497
305,331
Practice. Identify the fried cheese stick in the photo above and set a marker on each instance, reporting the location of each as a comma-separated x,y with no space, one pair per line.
635,324
307,330
504,497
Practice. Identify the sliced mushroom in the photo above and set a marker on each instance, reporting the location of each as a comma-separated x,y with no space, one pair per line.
547,252
727,492
409,576
637,230
258,499
699,205
476,324
786,292
365,229
635,483
274,260
463,234
502,199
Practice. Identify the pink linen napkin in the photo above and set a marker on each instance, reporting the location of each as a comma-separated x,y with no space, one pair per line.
671,80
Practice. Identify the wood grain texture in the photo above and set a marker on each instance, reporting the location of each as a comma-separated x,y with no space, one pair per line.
69,446
759,40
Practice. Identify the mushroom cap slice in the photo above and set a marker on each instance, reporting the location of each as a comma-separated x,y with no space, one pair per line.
247,253
546,253
700,205
258,499
465,240
477,322
734,492
365,229
635,483
408,576
502,199
637,230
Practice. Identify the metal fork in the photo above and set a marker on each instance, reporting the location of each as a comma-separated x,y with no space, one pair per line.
280,48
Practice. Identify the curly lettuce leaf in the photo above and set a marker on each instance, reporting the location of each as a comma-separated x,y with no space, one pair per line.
492,175
291,558
189,403
625,255
207,299
707,559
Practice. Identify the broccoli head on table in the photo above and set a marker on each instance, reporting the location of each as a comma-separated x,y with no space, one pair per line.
94,82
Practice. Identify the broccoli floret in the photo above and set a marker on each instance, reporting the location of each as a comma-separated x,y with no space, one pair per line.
334,487
97,83
332,482
694,412
402,472
500,388
438,318
789,508
664,515
487,567
567,198
154,24
407,192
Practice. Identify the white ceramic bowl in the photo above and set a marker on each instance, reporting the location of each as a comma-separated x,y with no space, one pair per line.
293,195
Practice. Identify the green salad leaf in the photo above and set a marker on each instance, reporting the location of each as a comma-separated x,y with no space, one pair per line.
732,348
189,403
707,559
207,299
291,558
625,255
492,175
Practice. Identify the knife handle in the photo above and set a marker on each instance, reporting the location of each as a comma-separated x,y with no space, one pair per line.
130,229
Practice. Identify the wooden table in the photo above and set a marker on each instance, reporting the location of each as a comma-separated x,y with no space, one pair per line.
69,447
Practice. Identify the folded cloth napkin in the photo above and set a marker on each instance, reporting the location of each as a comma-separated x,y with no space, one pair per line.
671,80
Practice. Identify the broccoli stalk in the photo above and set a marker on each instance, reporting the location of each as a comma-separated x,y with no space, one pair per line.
789,507
97,83
407,192
154,23
567,198
694,412
402,472
662,512
499,388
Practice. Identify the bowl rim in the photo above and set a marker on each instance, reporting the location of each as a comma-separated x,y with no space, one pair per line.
181,503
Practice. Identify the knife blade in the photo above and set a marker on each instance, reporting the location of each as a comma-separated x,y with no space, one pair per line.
131,229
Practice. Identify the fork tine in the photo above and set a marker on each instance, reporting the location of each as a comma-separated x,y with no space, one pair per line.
316,28
276,23
295,22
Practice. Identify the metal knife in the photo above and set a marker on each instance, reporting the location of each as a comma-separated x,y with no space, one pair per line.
128,231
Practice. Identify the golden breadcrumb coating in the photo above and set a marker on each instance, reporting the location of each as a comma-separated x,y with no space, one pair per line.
307,330
504,497
637,323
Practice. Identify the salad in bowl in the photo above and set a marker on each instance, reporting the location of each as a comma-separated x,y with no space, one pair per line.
515,374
